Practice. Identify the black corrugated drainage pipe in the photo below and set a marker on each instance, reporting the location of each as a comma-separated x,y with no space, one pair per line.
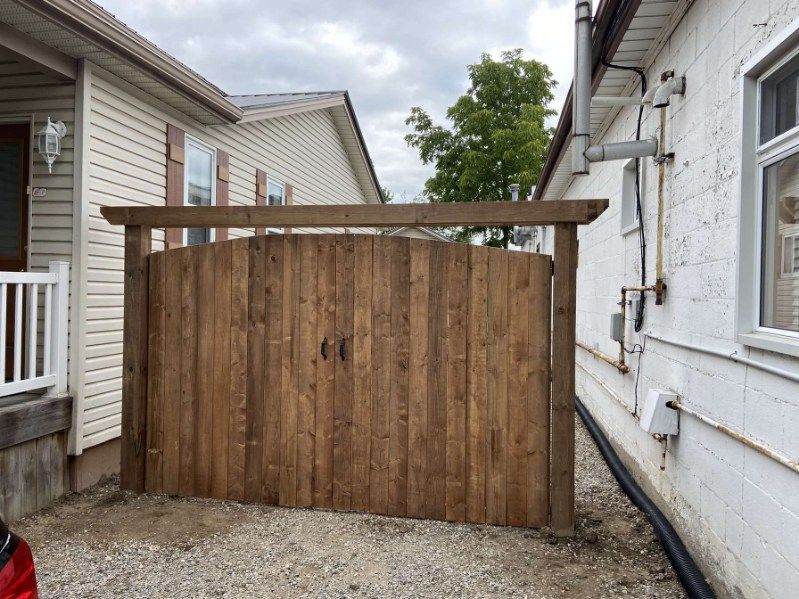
692,579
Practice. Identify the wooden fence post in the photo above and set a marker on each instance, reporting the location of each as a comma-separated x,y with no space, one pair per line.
564,309
134,358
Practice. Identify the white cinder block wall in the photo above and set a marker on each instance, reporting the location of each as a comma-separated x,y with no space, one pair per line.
737,510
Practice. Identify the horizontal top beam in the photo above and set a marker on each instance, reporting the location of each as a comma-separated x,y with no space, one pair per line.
362,215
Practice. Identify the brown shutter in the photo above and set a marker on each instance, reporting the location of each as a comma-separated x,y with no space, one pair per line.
175,159
222,187
260,195
289,202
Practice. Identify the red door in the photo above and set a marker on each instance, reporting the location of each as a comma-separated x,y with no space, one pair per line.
14,153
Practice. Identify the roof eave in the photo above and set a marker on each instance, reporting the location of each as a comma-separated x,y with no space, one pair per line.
256,113
362,144
99,27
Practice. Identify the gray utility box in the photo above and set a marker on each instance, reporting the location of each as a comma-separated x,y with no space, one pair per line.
616,325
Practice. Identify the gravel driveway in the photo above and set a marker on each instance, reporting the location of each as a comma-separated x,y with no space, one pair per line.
107,543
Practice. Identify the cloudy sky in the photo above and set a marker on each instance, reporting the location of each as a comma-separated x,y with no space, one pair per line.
389,55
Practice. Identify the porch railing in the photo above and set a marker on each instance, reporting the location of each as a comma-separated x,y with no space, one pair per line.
22,370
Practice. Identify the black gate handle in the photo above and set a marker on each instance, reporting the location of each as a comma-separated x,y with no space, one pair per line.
341,348
323,349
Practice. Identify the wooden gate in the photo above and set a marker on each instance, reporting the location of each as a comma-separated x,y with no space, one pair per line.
226,393
379,374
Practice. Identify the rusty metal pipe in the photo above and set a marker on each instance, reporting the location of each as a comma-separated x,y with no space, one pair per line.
621,366
661,220
758,447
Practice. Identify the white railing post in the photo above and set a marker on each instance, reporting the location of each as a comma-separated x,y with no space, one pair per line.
59,328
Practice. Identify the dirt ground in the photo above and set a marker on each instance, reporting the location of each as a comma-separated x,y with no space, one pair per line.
108,543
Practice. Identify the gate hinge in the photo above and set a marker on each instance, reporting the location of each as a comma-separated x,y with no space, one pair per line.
552,267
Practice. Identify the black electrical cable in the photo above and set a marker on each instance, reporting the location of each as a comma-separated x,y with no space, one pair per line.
612,30
692,579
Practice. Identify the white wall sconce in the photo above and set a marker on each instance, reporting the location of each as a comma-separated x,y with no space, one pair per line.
48,141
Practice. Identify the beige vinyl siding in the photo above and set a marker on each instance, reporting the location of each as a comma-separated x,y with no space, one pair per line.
128,167
27,95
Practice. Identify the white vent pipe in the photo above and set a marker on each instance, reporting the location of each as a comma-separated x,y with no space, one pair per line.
582,151
622,150
581,103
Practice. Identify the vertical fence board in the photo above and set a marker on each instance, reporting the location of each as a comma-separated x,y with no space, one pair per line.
538,389
381,375
173,282
273,355
256,341
417,359
221,364
497,371
325,371
362,373
457,284
188,368
239,287
518,304
398,395
289,371
205,369
308,355
435,507
343,400
155,374
476,413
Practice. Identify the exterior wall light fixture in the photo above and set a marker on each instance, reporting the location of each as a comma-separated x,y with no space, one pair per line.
48,141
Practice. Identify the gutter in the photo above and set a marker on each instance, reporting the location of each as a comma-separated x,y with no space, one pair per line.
362,144
99,27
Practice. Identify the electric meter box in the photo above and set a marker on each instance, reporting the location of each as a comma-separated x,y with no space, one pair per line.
656,416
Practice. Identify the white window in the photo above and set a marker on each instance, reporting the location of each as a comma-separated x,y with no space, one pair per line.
768,282
629,197
275,193
200,185
275,196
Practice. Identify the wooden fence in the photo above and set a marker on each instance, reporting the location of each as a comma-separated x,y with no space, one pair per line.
226,391
381,374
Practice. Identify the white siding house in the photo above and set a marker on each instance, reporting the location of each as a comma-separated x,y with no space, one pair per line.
737,509
119,98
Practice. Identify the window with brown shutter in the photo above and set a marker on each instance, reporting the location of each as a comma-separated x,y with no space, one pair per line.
175,174
222,187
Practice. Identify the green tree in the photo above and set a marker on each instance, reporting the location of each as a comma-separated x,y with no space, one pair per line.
498,137
388,195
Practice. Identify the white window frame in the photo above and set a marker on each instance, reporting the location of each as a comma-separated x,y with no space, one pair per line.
193,141
628,200
273,181
755,158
